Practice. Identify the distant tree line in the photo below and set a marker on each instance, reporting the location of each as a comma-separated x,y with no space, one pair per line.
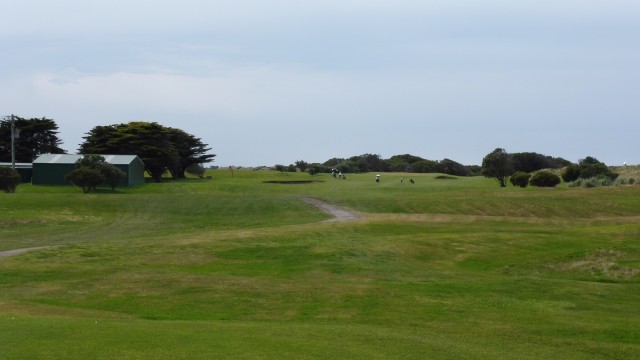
375,163
525,161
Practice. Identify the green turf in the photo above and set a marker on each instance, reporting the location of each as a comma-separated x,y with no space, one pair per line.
233,267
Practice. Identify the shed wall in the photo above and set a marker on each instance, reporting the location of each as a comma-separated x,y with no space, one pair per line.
50,174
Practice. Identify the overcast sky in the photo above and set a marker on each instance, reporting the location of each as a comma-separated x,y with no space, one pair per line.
267,82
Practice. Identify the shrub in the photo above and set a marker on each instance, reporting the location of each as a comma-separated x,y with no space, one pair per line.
571,173
520,178
85,177
9,179
196,169
544,179
112,175
592,170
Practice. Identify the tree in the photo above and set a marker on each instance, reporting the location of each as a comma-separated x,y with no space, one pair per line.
302,165
497,164
530,162
160,148
85,177
9,179
37,137
280,168
190,150
315,168
110,173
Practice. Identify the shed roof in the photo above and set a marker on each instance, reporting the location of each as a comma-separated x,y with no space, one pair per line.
72,158
18,165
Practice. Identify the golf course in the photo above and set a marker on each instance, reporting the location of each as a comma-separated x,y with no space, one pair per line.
270,265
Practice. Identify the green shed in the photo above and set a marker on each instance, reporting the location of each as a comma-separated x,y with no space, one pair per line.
50,169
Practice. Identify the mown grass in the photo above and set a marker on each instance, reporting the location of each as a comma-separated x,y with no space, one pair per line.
236,268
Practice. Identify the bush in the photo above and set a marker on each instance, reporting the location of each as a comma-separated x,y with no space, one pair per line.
520,178
196,169
85,177
544,179
9,179
571,173
112,175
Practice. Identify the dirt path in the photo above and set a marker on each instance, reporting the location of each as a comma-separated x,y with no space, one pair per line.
339,214
20,251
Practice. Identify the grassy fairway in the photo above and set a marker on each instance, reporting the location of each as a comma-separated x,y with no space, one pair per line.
237,268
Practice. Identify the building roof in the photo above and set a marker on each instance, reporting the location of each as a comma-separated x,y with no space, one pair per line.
72,158
18,165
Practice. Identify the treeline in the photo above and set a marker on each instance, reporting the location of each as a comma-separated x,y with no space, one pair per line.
525,161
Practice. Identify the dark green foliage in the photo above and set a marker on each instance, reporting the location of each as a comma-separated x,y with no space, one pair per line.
520,178
397,163
92,161
280,168
474,170
111,175
497,164
315,168
424,166
85,177
160,148
587,168
302,165
400,163
530,162
9,179
451,167
368,163
37,137
196,169
190,150
589,160
571,173
592,170
544,179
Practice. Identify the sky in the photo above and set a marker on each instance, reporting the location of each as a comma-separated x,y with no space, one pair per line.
267,82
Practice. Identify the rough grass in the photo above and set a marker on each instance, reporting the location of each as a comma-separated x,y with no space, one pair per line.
236,268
